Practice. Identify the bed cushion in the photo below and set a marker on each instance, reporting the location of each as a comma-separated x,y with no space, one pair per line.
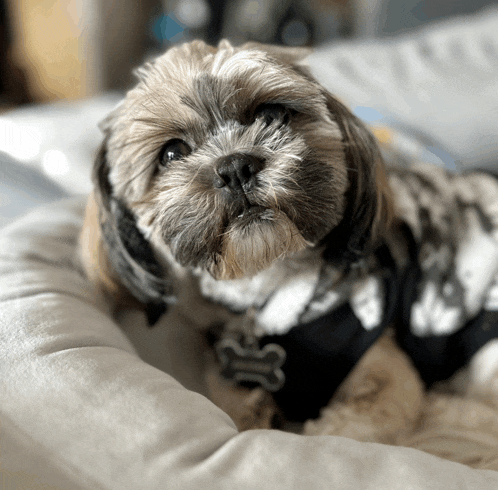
439,83
79,409
22,188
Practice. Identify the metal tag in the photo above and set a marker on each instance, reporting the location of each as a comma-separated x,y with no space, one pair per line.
262,366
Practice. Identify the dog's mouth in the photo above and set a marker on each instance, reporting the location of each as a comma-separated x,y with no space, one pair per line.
252,241
252,210
252,214
244,212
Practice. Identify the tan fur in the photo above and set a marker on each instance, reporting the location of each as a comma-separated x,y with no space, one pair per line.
95,260
246,252
93,253
249,409
380,400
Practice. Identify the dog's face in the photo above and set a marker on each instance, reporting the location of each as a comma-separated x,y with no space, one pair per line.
231,158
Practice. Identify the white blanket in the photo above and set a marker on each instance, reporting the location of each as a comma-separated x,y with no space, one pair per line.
79,409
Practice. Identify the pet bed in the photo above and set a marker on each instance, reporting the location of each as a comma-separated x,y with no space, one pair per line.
87,403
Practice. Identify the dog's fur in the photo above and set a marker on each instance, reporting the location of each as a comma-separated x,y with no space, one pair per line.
309,176
321,171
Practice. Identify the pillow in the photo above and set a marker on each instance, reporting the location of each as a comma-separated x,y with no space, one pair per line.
441,81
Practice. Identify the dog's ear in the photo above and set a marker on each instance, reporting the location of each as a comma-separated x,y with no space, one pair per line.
369,208
93,250
115,252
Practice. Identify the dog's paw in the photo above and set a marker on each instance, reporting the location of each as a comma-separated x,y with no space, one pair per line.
345,421
380,420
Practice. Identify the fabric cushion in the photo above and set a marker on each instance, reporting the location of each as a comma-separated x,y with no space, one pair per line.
440,83
79,409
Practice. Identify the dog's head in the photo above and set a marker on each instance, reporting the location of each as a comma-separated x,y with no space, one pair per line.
230,158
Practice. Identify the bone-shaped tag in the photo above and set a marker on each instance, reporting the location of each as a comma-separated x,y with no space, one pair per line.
252,364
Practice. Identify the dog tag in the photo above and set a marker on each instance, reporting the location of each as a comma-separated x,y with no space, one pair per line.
262,366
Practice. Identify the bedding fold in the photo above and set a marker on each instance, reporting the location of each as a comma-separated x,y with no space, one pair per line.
79,409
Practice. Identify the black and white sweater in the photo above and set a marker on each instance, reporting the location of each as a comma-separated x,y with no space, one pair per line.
435,282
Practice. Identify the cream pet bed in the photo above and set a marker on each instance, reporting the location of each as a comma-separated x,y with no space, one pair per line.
87,403
80,409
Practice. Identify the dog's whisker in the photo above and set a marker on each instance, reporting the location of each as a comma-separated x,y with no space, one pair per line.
274,194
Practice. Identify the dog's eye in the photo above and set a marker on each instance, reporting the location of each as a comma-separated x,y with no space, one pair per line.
271,113
174,150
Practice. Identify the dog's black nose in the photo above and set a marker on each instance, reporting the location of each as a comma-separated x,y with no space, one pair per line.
237,172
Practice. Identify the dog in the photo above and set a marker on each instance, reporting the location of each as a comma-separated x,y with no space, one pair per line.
234,186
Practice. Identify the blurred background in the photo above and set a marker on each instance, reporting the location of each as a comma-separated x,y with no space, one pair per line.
67,49
65,63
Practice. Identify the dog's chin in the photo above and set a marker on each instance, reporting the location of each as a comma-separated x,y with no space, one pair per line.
252,242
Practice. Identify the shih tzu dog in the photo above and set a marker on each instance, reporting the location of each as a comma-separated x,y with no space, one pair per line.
230,177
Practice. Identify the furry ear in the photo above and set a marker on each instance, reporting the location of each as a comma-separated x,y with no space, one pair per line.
369,207
115,252
95,258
